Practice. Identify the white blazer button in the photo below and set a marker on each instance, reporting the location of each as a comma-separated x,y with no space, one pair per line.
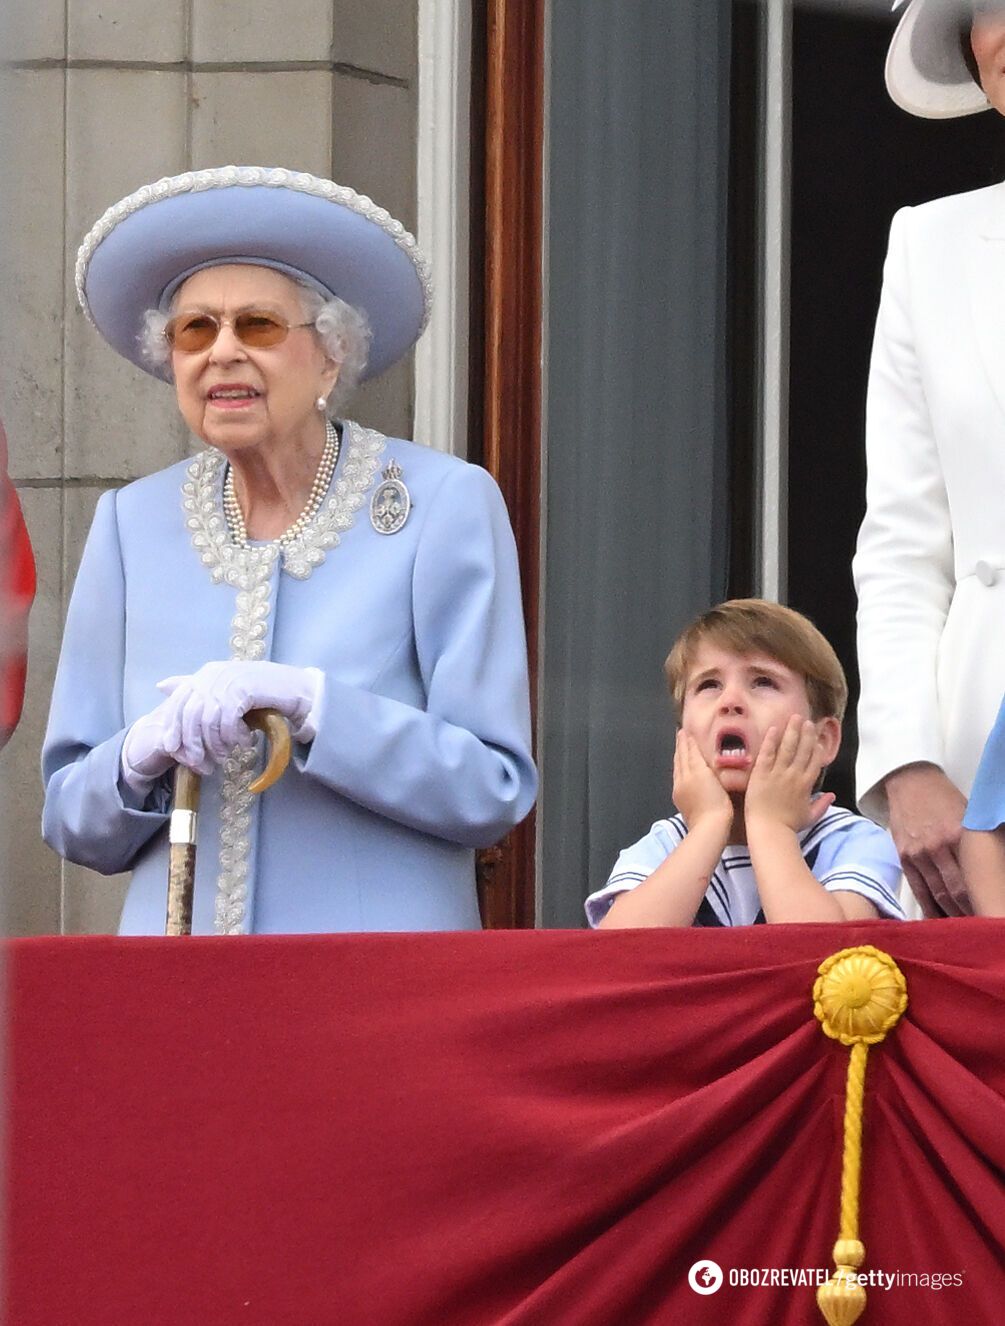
986,573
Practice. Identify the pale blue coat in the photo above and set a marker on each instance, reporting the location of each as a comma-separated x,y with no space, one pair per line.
422,750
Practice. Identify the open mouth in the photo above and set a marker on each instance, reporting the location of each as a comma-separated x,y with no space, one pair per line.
731,749
227,395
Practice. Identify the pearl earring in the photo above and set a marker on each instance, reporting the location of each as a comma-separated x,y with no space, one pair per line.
321,404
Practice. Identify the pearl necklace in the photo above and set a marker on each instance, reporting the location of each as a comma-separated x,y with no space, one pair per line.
319,488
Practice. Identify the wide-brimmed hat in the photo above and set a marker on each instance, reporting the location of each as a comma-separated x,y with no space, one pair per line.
926,73
137,255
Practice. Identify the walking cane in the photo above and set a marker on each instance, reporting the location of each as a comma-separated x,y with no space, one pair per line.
184,814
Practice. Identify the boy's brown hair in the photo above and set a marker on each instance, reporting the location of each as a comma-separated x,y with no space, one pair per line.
755,626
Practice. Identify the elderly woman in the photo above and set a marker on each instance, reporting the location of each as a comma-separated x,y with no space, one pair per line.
365,587
930,565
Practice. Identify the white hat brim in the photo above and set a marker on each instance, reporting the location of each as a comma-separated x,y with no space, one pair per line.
941,87
297,223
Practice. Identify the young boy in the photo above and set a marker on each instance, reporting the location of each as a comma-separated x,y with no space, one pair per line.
760,696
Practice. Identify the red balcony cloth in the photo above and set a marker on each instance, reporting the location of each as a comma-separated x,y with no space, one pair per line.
521,1129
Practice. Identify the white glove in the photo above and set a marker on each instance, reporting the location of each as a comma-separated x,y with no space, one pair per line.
154,743
212,702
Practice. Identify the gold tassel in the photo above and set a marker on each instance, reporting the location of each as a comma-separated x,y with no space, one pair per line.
859,995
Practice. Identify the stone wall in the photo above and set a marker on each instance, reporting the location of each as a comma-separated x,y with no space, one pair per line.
95,100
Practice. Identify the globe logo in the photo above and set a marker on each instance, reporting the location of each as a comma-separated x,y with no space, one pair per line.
705,1277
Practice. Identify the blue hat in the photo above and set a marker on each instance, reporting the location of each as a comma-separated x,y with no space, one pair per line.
340,242
926,72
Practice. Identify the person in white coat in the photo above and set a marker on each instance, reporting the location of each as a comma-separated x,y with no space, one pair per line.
930,563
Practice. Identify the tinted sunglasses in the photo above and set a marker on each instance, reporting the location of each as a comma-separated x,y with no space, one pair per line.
191,332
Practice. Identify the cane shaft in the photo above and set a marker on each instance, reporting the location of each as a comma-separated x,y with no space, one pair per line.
184,817
181,881
181,852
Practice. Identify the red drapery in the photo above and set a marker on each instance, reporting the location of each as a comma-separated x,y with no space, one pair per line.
17,590
492,1129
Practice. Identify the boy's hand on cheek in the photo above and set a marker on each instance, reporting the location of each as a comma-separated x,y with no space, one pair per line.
697,792
780,788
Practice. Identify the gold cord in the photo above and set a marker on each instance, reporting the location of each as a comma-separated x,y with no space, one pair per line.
859,995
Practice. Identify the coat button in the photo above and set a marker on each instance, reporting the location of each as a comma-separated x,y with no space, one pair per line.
986,573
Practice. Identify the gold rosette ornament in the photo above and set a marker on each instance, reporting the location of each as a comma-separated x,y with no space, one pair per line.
859,995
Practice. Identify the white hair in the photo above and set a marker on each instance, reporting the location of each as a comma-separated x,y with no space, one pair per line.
343,331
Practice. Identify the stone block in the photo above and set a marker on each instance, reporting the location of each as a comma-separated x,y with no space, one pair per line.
33,31
120,422
78,512
262,119
249,31
148,30
388,402
31,893
380,36
92,903
125,129
365,114
32,278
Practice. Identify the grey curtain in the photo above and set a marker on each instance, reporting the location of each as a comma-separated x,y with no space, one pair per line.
636,462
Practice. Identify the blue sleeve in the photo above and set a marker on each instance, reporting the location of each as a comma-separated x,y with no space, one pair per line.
84,816
986,807
635,864
861,858
461,768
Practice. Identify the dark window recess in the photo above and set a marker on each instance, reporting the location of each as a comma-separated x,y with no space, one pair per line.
741,293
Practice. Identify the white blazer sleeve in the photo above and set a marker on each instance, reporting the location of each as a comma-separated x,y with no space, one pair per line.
903,567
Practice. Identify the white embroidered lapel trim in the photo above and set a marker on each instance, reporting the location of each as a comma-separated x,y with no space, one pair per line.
202,502
249,570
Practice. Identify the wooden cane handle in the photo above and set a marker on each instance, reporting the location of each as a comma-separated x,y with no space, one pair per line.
186,789
277,736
